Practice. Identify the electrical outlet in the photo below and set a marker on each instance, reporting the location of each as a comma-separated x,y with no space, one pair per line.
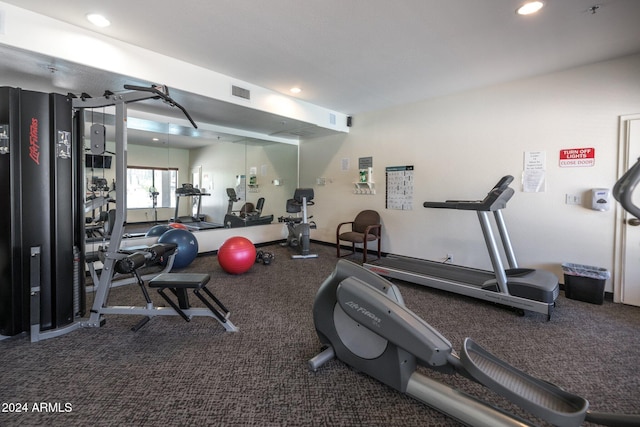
449,258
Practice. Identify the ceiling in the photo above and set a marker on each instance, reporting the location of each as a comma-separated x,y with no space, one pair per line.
349,56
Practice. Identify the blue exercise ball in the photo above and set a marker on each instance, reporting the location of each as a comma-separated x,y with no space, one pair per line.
158,230
187,246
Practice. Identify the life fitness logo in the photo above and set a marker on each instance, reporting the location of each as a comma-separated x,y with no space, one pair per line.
577,157
34,148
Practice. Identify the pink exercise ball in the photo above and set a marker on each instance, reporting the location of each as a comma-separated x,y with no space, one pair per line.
237,255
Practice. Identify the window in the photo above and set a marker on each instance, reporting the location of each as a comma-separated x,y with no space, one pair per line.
142,180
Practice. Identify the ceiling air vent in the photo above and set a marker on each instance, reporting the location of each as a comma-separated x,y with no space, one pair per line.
240,92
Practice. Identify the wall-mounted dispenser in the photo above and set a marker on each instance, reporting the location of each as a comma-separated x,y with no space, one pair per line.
365,184
600,199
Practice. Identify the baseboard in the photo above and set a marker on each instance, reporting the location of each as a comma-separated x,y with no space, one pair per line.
348,248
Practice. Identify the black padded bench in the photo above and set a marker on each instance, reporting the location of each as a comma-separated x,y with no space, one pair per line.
178,283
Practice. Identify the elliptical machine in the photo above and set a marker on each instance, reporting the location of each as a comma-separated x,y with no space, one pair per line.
624,189
300,227
361,320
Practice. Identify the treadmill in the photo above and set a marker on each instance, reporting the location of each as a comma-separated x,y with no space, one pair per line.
519,288
192,222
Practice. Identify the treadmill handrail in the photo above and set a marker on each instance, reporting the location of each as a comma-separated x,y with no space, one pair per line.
623,189
496,199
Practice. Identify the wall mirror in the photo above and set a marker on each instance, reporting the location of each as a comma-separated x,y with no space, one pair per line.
167,156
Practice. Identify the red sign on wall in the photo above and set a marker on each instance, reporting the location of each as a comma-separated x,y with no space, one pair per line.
577,157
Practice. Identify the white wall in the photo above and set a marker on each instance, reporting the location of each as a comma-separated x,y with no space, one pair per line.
461,145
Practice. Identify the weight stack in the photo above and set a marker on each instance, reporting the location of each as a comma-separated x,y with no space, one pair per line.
38,208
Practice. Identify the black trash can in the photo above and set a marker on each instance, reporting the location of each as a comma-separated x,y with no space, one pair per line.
584,282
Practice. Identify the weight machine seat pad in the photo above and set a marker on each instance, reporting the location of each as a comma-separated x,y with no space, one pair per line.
180,280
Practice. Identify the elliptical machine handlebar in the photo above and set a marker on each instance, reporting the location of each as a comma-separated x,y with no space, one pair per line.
623,189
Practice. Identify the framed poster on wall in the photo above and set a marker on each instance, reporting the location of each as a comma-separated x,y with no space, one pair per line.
399,190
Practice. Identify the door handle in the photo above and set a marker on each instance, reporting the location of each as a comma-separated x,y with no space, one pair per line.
633,222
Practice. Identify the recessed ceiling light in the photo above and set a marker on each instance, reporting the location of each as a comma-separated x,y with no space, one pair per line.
295,90
529,8
98,20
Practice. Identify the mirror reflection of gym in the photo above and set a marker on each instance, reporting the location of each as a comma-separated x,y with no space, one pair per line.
221,161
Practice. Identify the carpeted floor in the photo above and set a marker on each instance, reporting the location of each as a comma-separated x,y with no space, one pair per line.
172,372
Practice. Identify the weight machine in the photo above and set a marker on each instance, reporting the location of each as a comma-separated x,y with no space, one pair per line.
112,256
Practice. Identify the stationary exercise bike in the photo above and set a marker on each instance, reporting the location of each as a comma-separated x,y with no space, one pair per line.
153,194
361,319
248,214
300,227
